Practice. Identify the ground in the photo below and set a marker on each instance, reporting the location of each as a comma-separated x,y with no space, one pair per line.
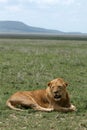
27,64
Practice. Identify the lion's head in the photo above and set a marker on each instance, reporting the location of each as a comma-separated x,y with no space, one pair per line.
57,88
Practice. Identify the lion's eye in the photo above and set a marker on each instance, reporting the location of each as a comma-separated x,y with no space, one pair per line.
52,86
60,87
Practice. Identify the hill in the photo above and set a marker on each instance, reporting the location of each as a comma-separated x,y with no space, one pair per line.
20,27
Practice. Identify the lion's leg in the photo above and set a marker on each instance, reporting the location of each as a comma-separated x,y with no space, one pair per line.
17,101
73,107
65,109
39,108
34,105
12,105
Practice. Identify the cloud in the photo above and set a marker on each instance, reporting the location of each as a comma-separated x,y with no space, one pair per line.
23,5
41,2
51,2
3,1
13,8
67,2
36,3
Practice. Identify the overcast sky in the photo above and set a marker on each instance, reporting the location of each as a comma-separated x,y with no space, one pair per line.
63,15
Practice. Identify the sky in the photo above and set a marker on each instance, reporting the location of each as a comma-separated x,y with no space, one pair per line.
63,15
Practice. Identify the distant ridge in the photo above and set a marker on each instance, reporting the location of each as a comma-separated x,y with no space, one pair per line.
20,27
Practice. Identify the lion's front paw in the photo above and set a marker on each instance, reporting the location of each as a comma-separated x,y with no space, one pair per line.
73,108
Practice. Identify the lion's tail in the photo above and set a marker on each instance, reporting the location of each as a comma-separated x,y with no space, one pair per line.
10,105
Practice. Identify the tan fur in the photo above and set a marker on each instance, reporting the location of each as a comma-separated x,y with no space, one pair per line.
54,97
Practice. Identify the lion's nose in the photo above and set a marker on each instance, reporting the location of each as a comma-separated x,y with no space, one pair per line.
55,92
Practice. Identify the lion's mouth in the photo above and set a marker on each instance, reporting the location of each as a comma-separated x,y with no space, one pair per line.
57,96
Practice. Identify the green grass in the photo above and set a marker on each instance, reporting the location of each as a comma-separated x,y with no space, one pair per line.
28,65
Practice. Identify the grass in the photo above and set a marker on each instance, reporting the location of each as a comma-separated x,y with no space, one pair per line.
28,65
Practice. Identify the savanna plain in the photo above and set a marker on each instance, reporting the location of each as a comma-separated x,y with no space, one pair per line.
29,64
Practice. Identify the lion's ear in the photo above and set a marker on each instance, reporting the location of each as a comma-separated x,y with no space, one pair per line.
66,84
49,84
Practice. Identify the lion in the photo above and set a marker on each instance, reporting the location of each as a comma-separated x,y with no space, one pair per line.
54,98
